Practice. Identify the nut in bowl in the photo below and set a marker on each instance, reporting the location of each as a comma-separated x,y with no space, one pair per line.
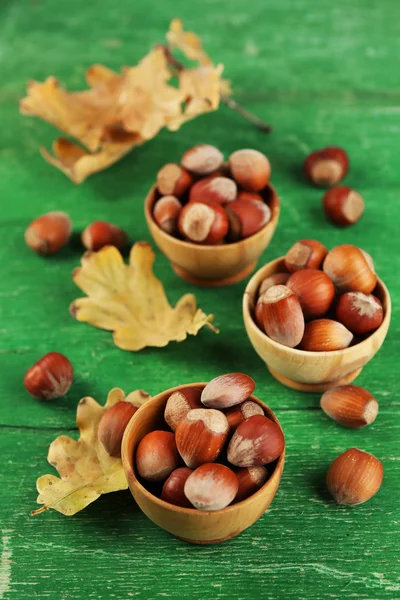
321,347
213,500
212,219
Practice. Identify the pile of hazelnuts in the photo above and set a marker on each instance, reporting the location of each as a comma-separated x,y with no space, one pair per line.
217,446
204,200
343,205
320,300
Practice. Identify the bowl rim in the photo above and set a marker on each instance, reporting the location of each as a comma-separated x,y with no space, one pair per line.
249,296
128,462
275,211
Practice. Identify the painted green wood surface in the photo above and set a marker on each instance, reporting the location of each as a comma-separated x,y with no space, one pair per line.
322,73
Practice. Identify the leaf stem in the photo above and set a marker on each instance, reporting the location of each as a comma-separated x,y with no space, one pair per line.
265,127
225,99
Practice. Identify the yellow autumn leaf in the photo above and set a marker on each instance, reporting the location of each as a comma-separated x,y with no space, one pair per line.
130,301
122,110
86,470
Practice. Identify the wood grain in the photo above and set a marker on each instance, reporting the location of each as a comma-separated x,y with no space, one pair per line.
321,73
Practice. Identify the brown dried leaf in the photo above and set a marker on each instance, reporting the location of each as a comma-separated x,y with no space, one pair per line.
131,301
86,470
122,110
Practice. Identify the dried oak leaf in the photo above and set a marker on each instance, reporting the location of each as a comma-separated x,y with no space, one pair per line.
86,470
130,301
122,110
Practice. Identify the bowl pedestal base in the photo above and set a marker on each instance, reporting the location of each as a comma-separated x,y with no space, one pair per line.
314,387
213,282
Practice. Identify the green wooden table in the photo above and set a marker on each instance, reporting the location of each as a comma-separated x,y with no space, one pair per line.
322,73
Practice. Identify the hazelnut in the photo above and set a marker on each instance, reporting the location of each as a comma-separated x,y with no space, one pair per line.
211,487
354,477
173,488
343,206
112,426
157,456
166,213
202,159
314,290
50,377
227,390
325,335
360,313
173,180
179,403
250,169
243,411
201,435
256,441
275,279
350,405
282,315
250,479
327,167
203,223
243,195
349,269
100,233
305,254
219,190
246,217
47,234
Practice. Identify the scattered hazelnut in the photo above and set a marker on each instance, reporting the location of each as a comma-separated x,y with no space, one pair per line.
179,404
173,488
327,167
112,426
202,159
250,479
360,313
211,487
282,315
173,180
246,217
50,377
227,390
325,335
203,223
100,233
256,441
166,213
350,405
157,456
354,477
305,254
314,290
349,269
219,190
343,206
47,234
201,435
250,169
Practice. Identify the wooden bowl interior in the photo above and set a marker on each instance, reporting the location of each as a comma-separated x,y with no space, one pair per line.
191,524
314,368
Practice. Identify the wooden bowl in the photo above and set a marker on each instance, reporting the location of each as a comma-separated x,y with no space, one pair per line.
213,266
190,524
310,371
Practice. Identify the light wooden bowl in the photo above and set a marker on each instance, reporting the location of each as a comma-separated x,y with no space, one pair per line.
190,524
213,266
310,371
